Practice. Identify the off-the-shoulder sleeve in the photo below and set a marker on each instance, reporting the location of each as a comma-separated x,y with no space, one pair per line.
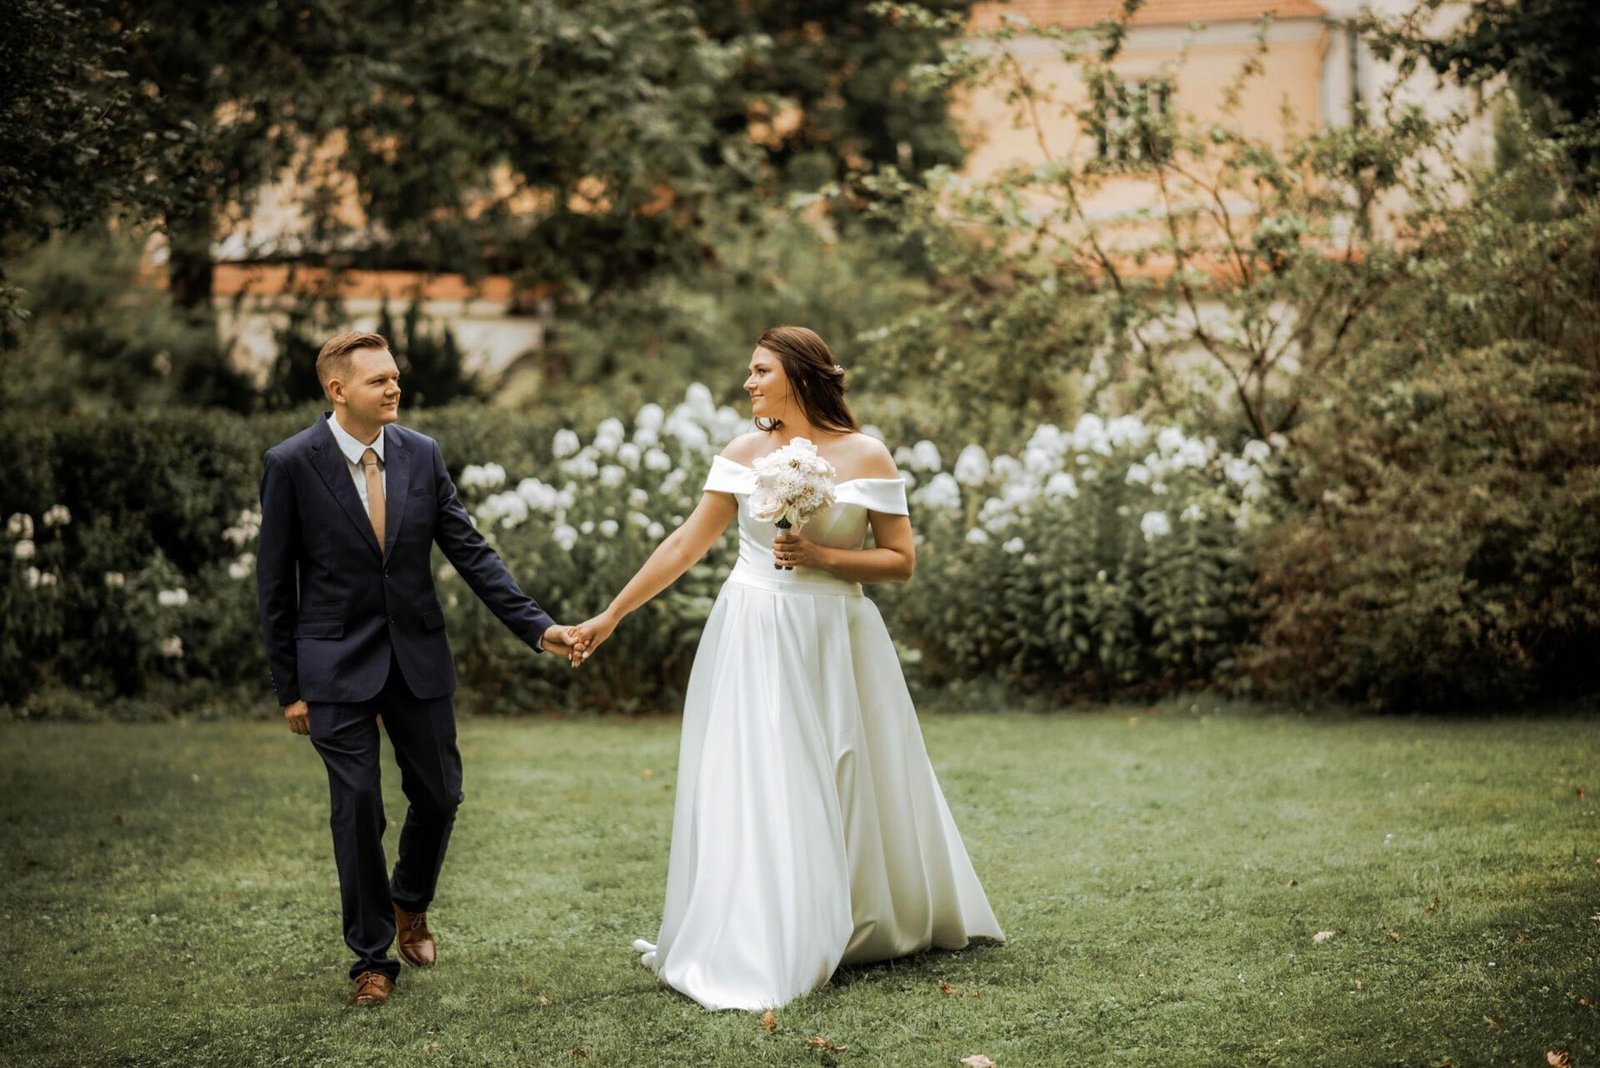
886,495
726,476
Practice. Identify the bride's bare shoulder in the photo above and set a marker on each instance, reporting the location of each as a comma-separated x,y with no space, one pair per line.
867,457
746,447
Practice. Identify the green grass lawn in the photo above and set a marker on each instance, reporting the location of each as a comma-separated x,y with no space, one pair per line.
169,897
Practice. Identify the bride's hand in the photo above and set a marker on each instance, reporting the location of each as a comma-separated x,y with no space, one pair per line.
592,633
791,550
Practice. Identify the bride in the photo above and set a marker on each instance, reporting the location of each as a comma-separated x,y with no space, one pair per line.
809,829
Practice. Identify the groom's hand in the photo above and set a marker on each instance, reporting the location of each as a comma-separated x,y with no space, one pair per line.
563,641
298,716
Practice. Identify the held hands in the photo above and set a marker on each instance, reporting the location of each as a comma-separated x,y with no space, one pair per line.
791,550
594,632
565,642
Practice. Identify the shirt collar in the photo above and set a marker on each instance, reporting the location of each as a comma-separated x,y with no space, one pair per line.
348,445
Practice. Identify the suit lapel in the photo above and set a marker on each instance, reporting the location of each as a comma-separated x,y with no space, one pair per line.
397,484
335,471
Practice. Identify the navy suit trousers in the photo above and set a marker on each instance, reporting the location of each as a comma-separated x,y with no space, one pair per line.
423,732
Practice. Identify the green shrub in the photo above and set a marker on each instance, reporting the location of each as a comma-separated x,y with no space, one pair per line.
1446,548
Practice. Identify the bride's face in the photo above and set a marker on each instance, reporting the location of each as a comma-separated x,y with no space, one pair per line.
767,386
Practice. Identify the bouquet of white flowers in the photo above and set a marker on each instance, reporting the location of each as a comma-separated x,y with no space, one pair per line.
792,485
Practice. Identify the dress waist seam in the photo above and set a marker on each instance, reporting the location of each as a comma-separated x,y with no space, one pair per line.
809,585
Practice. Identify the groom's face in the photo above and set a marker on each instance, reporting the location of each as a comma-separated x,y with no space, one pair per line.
371,389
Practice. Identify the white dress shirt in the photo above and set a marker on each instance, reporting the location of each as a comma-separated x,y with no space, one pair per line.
353,451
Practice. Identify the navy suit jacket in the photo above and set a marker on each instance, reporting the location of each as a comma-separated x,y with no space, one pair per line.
336,607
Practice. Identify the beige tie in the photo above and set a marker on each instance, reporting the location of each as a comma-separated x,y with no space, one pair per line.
369,464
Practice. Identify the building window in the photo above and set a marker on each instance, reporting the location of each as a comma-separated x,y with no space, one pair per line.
1132,122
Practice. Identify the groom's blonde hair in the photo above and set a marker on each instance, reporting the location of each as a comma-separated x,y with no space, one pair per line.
334,359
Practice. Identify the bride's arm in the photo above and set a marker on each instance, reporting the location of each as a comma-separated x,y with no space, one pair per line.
892,559
677,553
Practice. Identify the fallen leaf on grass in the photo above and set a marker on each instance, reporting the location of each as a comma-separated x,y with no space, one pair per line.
1292,883
1586,1003
1595,917
648,774
1558,1058
1522,936
1394,936
432,1047
577,1053
1580,793
1494,1024
1133,721
946,989
1432,906
544,1000
818,1042
1359,984
977,1060
769,1022
1321,937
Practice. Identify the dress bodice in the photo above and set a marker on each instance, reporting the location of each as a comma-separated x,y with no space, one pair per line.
842,525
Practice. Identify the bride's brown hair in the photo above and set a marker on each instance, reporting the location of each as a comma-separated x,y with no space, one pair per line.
814,379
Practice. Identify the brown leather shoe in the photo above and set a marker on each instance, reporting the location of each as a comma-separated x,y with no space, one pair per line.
413,939
372,988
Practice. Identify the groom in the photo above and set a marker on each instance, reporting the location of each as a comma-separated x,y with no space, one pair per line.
351,508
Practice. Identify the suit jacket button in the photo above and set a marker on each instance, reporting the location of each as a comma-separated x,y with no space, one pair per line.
391,619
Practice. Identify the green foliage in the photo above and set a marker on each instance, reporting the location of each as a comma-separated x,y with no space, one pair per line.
431,371
700,326
1544,47
99,337
1446,549
1247,265
831,88
72,148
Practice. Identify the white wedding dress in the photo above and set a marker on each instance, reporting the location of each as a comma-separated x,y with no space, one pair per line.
809,829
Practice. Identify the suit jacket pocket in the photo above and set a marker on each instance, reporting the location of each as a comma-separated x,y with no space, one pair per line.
323,627
433,618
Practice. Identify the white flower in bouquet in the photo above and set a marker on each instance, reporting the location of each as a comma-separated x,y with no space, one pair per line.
608,528
20,525
24,549
656,460
1257,452
60,516
793,484
564,536
172,598
977,536
172,648
613,475
115,580
629,455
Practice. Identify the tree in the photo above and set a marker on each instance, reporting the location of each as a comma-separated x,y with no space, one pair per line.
1544,47
831,87
72,148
